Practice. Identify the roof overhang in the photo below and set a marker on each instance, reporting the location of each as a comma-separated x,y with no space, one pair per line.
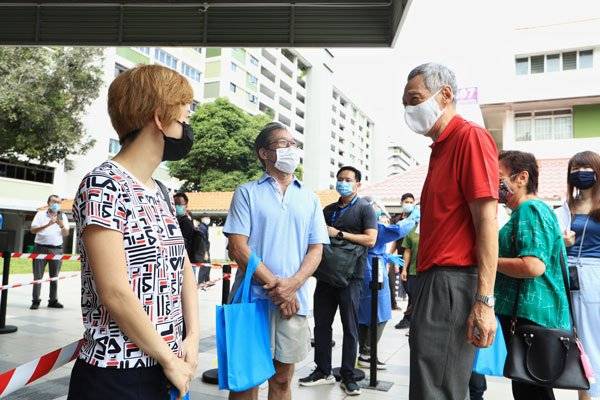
264,23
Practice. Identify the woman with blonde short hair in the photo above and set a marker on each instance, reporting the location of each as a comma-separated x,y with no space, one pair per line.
138,296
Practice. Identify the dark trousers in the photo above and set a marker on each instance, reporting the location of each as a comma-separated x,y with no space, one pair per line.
477,386
327,300
524,391
364,337
94,383
393,276
203,274
39,266
410,289
441,359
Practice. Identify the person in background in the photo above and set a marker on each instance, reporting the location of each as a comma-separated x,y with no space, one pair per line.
385,234
138,292
409,256
458,253
353,219
531,245
50,226
186,224
204,249
583,248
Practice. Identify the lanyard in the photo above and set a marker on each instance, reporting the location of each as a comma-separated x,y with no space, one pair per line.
340,211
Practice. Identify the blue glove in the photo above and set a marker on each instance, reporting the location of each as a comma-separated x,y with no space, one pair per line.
415,215
396,260
174,393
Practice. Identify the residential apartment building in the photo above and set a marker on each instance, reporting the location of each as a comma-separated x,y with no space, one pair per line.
549,99
296,87
399,160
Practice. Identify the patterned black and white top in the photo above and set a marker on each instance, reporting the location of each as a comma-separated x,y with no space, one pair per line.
113,198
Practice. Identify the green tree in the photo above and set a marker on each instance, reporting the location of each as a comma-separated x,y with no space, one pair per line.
223,153
45,91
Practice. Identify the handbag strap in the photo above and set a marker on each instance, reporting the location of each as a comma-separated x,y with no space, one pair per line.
242,294
582,239
165,193
563,268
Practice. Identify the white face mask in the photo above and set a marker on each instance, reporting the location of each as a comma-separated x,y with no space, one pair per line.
206,221
422,117
288,159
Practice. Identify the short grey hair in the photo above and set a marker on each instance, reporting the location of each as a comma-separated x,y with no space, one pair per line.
435,76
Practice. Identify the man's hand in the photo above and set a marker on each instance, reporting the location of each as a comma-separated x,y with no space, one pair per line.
332,232
288,310
481,325
569,238
283,290
404,275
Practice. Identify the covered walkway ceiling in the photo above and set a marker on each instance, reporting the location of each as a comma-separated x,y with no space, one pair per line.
260,23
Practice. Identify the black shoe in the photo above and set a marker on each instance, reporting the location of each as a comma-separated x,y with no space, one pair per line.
403,324
55,304
35,305
350,387
317,378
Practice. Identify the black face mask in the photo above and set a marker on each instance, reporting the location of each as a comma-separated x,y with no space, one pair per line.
582,180
176,149
504,192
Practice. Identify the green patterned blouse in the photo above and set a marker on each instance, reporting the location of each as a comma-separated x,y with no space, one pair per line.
533,231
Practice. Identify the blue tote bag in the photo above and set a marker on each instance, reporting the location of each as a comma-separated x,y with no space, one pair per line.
244,338
490,360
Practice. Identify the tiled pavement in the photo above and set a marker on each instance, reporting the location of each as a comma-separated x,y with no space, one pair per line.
46,329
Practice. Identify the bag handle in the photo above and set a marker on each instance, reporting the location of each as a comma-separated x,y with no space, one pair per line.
563,268
242,294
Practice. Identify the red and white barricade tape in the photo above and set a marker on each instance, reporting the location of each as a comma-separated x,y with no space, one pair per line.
39,256
23,375
19,284
206,285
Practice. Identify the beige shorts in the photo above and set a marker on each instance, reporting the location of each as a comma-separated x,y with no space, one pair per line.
290,338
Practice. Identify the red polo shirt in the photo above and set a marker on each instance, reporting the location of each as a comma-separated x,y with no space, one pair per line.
463,167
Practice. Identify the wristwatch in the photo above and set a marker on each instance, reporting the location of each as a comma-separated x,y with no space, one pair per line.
340,235
489,301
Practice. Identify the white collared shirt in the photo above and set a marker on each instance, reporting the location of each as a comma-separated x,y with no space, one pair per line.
52,235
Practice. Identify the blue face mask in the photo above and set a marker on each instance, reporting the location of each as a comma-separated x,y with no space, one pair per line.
344,188
55,207
179,210
408,208
378,213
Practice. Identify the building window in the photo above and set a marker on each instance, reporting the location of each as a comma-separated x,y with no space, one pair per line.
332,161
252,98
566,61
254,61
143,50
113,146
252,79
190,72
198,50
232,87
543,125
26,171
586,59
165,58
194,105
332,147
332,174
234,67
119,69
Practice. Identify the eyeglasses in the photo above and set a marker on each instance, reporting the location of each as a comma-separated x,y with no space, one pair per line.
281,143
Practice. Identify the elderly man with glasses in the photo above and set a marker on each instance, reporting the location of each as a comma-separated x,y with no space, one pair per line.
281,221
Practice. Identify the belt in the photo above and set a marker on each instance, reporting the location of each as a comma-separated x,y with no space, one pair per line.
48,246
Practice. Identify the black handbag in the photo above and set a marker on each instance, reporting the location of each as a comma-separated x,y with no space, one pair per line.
544,356
339,263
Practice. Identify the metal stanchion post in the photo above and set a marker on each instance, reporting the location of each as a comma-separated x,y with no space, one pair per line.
4,296
212,375
375,286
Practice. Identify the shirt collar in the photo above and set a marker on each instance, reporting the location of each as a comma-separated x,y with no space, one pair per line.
339,202
267,177
450,128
